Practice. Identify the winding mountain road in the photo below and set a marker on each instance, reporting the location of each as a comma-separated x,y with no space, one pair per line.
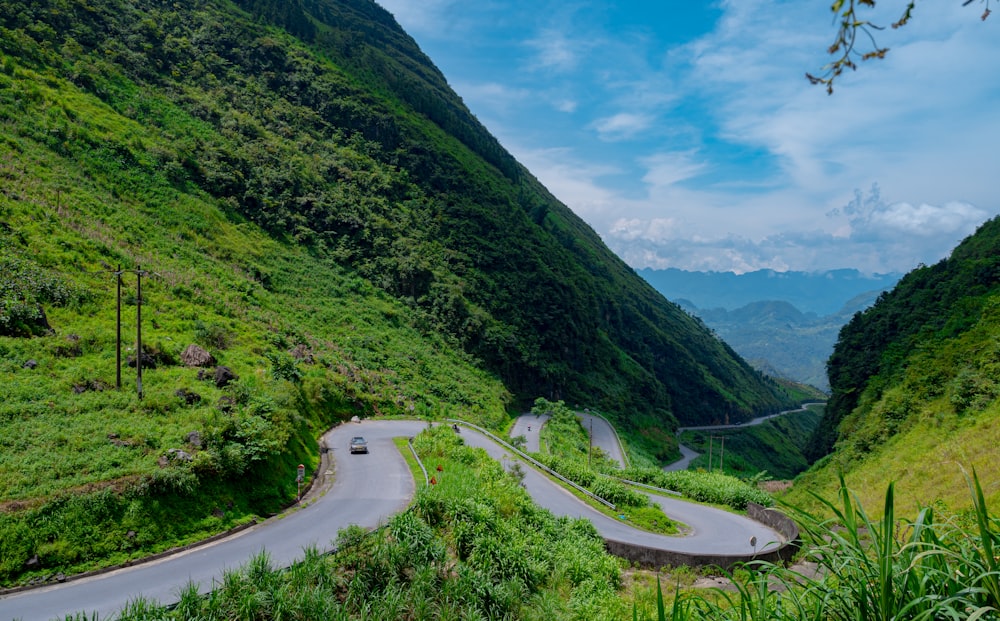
688,454
366,491
712,531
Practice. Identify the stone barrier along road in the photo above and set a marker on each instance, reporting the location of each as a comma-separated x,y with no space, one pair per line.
366,491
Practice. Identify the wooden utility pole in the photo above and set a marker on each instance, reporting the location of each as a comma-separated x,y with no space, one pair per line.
118,338
138,331
590,449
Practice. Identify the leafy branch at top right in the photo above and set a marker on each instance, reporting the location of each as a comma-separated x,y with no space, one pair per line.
855,40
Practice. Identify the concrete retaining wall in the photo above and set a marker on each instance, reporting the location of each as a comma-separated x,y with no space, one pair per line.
653,557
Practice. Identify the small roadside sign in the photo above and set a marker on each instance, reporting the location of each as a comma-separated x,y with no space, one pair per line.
299,478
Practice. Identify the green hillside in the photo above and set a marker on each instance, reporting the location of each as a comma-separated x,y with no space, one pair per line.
307,201
351,146
915,385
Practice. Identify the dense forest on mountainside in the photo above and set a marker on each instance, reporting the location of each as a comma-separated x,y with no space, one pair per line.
930,308
915,385
349,142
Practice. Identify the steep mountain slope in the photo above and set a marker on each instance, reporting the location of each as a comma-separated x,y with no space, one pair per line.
356,148
301,195
914,380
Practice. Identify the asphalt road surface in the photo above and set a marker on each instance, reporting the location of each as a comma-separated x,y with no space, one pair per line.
528,426
366,490
688,454
712,531
604,436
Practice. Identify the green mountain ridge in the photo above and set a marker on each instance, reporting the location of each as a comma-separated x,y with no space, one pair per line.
364,167
915,396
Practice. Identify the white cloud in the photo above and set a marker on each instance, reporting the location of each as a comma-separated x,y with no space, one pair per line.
622,125
666,169
493,95
416,17
554,50
657,230
566,105
717,154
928,220
629,229
575,182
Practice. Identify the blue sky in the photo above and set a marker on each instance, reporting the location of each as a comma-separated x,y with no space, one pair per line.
687,136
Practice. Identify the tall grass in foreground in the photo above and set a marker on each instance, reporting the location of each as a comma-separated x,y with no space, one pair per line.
869,570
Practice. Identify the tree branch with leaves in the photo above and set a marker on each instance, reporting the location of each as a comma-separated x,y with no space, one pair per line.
856,41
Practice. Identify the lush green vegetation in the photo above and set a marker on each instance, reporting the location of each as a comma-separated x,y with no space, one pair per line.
864,569
915,394
932,308
474,547
772,448
312,205
711,487
323,124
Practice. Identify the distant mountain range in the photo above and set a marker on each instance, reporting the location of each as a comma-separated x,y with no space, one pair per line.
783,323
822,293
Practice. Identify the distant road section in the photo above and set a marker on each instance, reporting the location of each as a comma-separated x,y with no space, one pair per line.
529,426
602,434
751,423
688,454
